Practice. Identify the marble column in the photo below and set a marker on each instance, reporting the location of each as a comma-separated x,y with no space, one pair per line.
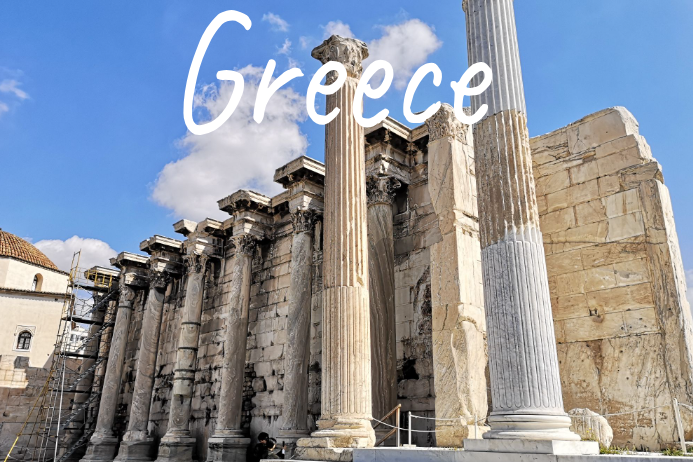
177,444
525,385
229,442
381,276
346,362
103,444
136,444
297,347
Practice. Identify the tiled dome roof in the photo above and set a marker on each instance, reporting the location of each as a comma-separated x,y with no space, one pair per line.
15,247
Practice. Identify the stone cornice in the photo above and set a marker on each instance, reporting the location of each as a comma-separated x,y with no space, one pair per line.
32,293
350,52
301,169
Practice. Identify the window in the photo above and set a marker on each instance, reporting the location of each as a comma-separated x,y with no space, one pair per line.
24,341
38,280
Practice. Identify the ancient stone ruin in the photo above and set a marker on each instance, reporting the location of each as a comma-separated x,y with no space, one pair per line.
467,274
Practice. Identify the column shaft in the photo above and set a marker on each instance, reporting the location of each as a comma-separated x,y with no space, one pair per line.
103,443
381,277
297,348
231,396
525,385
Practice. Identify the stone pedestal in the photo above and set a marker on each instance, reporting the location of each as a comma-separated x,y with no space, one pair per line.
227,448
140,449
346,363
381,276
176,448
229,442
525,385
103,444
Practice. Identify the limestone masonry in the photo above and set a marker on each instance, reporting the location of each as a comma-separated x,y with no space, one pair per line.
513,288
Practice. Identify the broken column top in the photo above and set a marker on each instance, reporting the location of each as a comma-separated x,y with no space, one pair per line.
348,51
303,168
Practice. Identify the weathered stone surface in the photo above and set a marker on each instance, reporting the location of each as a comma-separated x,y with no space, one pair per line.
617,322
591,426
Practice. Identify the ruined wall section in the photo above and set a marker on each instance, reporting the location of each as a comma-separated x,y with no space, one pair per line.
622,323
415,230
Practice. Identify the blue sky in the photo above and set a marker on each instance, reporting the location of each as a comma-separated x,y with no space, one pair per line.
92,112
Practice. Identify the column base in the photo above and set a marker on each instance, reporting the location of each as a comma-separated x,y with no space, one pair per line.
530,427
227,448
176,449
101,448
335,440
452,436
517,446
139,450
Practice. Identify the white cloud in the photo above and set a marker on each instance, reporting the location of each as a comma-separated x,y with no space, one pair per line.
12,86
305,42
94,252
689,283
285,49
337,28
3,107
241,154
406,46
278,24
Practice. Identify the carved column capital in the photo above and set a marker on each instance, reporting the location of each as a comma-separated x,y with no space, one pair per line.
303,220
127,295
381,189
444,124
350,52
245,244
195,262
159,279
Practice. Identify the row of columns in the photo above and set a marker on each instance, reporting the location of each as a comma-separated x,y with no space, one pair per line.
522,357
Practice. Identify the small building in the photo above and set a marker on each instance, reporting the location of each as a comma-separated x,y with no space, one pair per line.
32,293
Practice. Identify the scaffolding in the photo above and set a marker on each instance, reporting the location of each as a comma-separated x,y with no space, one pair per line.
63,416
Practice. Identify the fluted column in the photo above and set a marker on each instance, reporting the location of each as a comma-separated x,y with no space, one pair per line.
229,441
346,363
525,385
103,443
177,444
136,444
297,347
381,276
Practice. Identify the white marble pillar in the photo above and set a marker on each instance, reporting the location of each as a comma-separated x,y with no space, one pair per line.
136,444
103,444
177,444
346,362
381,276
525,385
297,347
229,442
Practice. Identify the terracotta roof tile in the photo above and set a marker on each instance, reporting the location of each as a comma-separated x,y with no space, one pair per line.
15,247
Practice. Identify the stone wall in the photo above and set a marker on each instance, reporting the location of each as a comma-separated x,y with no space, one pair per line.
623,325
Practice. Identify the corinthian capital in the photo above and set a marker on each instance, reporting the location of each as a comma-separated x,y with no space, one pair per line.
244,244
126,296
159,279
195,262
350,52
381,189
444,124
303,220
